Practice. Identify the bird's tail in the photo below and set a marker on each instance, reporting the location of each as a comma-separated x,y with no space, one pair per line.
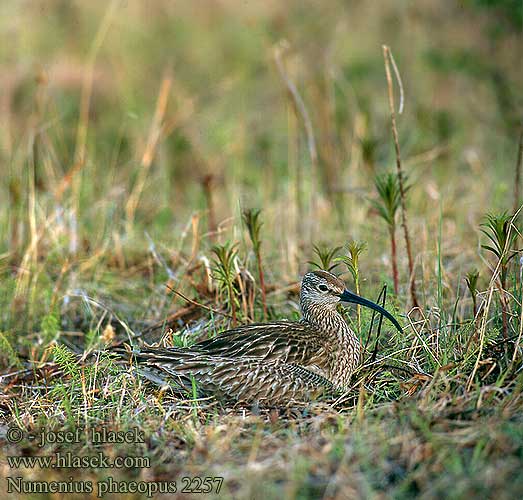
173,357
181,368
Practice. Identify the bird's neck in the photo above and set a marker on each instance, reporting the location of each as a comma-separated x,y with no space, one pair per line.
345,345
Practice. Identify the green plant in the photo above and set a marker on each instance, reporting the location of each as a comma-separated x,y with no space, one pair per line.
326,256
8,352
369,146
66,360
471,279
50,328
499,229
225,273
387,205
389,59
251,219
352,261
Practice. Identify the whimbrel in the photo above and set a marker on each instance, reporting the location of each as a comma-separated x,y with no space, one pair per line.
279,362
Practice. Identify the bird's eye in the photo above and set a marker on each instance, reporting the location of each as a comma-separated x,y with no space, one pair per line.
323,288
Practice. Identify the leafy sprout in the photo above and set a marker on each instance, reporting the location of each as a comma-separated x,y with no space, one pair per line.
224,271
497,229
326,256
251,219
387,205
471,279
389,199
351,260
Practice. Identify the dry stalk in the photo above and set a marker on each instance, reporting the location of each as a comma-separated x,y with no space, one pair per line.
295,216
243,289
263,286
394,259
388,60
87,84
483,327
207,183
155,132
300,107
301,113
199,304
83,120
424,322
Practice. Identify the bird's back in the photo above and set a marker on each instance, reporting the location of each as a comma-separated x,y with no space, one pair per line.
286,341
244,378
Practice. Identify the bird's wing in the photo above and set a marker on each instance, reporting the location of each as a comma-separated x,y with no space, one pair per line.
244,379
293,343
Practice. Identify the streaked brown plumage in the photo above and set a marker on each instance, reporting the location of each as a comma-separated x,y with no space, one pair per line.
274,363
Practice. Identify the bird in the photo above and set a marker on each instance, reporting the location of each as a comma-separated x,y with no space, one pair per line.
273,363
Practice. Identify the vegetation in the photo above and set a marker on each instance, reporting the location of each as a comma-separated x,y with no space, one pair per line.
142,145
387,205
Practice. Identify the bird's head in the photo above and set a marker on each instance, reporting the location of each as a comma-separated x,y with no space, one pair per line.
323,289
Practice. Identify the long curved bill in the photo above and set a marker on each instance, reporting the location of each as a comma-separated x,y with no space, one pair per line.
347,296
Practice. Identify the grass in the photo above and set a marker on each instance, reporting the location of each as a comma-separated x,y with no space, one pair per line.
217,151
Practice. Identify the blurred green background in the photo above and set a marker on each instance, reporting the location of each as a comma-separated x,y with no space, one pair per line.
88,88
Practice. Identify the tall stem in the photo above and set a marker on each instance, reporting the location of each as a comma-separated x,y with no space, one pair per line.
502,297
233,304
519,162
357,284
262,283
394,258
387,56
